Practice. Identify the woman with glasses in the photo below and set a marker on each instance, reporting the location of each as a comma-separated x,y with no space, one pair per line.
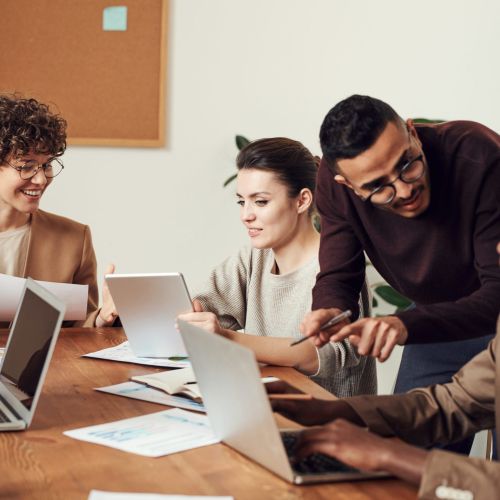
35,243
265,289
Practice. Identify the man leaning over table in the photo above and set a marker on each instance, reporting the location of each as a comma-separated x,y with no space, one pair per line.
423,202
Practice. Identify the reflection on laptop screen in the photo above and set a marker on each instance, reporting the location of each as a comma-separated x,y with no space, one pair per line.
27,351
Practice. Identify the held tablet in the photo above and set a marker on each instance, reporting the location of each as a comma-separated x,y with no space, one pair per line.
148,305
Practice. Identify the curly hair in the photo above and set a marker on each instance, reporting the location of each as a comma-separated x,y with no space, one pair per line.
27,125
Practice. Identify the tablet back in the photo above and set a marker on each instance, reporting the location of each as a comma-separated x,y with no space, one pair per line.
148,305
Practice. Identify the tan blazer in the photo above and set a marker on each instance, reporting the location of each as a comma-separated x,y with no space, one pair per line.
61,250
442,414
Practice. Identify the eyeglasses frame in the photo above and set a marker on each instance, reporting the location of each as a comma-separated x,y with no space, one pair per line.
399,177
43,167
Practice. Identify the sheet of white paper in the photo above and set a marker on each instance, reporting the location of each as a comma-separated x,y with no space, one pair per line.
123,353
135,390
109,495
152,435
74,296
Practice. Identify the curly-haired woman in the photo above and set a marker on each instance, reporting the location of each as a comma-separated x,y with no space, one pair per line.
35,243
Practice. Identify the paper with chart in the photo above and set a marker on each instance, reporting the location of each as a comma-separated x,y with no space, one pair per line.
110,495
152,435
158,395
74,296
123,353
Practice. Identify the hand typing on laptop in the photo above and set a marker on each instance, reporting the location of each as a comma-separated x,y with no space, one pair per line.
345,439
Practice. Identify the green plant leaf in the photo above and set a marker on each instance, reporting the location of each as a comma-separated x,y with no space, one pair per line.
392,296
229,180
427,120
374,302
241,141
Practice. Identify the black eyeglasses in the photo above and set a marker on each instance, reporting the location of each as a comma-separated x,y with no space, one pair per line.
410,172
28,170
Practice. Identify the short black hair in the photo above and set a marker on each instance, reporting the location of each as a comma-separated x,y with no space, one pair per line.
353,125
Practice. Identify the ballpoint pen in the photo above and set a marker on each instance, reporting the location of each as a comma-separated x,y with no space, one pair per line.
331,322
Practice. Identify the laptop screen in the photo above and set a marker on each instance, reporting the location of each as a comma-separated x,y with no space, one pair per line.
28,346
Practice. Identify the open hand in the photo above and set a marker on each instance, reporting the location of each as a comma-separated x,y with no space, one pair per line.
108,312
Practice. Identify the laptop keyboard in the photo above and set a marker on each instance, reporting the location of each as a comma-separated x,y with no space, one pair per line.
317,463
3,417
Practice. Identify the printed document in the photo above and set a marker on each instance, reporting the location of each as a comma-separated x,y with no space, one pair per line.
135,390
124,354
109,495
74,296
152,435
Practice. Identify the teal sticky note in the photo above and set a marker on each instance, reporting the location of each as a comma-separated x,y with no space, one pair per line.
114,18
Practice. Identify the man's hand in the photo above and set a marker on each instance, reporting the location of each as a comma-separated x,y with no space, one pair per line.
312,322
357,447
310,411
374,336
108,312
202,319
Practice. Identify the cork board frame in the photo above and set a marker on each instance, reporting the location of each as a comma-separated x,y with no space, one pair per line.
108,85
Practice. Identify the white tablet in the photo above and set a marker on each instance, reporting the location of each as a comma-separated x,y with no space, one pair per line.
148,305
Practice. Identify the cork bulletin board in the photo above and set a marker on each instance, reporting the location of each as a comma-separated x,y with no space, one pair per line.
100,63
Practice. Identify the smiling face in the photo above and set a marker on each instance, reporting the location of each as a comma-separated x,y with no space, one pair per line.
381,164
270,215
19,196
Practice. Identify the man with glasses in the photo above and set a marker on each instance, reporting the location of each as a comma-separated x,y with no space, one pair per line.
35,243
422,201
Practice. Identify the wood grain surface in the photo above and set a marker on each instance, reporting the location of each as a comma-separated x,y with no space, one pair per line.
42,463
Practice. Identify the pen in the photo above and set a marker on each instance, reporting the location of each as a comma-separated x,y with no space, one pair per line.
332,321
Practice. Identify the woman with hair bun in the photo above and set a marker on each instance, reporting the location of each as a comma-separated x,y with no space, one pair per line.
265,290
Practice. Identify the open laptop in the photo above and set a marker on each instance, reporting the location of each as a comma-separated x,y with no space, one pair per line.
26,359
148,305
240,413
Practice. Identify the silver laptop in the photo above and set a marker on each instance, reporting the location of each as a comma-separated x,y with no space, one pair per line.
148,305
26,359
240,413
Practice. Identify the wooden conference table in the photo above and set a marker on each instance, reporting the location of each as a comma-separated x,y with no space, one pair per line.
43,463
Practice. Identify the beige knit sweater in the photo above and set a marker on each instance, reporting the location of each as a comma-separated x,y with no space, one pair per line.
245,295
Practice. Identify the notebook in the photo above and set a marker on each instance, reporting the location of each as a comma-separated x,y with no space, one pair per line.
240,413
148,305
29,349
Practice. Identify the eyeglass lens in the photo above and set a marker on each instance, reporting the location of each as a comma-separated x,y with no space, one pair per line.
50,170
410,173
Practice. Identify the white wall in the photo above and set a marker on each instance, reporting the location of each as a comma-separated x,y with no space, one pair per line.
266,68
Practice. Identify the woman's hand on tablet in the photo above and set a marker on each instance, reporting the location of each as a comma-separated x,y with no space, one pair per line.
202,319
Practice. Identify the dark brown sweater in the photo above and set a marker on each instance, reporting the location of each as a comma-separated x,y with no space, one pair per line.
444,260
